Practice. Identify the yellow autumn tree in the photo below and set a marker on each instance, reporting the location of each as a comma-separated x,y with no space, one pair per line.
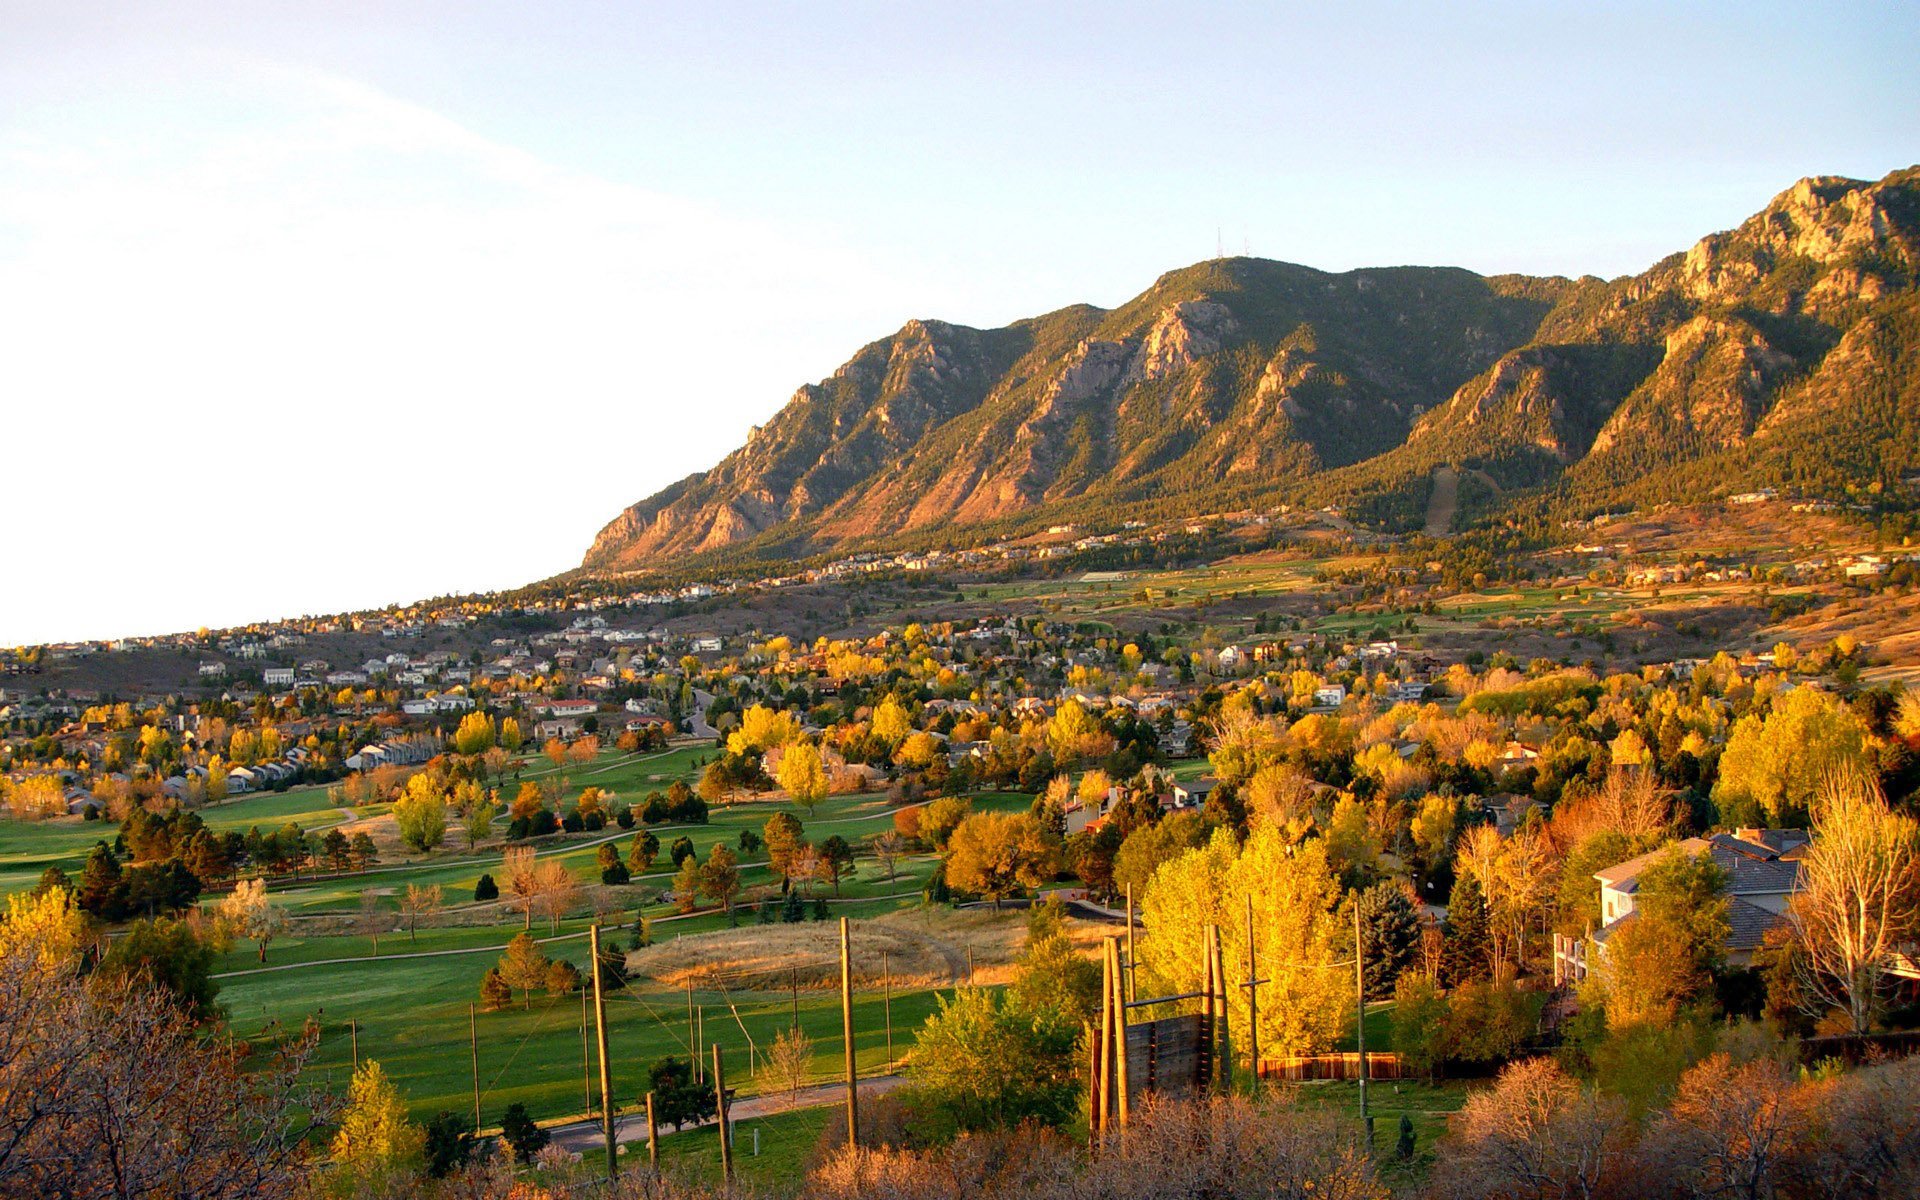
1773,766
51,924
891,722
761,729
376,1141
1305,1006
803,774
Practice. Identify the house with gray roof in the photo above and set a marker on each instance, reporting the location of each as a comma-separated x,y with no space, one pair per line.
1763,874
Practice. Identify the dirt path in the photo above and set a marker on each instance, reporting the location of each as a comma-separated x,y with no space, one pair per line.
588,1135
1440,505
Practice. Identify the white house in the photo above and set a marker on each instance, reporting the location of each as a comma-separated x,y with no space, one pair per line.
1330,695
277,676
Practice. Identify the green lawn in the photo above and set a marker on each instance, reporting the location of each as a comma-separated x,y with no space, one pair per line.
412,1016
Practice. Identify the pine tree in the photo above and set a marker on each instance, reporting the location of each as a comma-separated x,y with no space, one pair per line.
1469,935
1390,936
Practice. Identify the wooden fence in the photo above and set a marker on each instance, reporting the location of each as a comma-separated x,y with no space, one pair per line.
1296,1068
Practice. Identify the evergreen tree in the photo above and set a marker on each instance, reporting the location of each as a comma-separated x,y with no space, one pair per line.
1389,936
521,1133
449,1143
485,889
1468,948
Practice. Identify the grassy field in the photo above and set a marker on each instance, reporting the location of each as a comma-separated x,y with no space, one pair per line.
412,1015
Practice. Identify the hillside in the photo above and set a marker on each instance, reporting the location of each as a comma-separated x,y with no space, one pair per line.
1780,353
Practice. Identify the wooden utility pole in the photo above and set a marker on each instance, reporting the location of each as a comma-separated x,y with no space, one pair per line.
1133,961
846,1032
653,1138
606,1070
720,1106
586,1072
1102,1091
1253,1000
1360,1015
1120,1082
1220,1006
473,1052
699,1043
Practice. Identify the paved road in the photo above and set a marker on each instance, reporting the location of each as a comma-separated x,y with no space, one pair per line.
583,1136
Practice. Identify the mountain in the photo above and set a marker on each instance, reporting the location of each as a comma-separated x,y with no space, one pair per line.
1780,353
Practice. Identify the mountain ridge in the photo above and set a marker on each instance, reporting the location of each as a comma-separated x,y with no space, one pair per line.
1241,378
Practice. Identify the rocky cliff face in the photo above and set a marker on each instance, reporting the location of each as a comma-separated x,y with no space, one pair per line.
1246,378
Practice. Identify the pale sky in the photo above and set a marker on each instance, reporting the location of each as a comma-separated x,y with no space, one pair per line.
311,307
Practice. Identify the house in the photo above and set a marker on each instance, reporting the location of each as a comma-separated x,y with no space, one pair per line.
1194,792
277,676
574,709
1331,695
1763,875
212,669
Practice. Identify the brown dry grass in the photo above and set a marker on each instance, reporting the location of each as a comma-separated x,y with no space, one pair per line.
921,948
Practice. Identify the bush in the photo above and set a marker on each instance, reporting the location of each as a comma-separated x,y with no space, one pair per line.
485,889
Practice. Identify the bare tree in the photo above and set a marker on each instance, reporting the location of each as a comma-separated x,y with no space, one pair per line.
1729,1130
1536,1132
555,891
788,1062
887,849
372,922
110,1090
1861,902
418,903
519,878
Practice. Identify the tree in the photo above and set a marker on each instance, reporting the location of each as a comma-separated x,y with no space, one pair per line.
249,913
475,735
421,814
784,837
677,1099
372,922
1055,981
646,848
836,860
485,889
555,891
1773,766
563,978
1468,937
995,854
1535,1133
479,822
761,729
720,876
1420,1020
686,884
891,723
419,902
448,1143
523,965
522,1133
495,992
803,775
939,819
1665,957
960,1065
362,851
1389,936
887,851
167,955
109,1088
681,850
1307,1005
520,868
1861,903
47,924
787,1064
375,1141
1144,849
